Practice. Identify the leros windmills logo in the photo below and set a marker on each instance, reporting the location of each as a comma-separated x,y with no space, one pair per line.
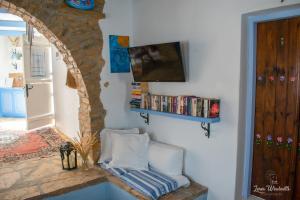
272,177
272,187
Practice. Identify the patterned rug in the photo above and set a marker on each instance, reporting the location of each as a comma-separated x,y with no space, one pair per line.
20,145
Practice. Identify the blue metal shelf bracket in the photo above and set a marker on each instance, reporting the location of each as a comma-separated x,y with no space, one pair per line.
206,128
145,116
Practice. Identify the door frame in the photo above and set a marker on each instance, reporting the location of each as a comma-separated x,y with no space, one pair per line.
249,25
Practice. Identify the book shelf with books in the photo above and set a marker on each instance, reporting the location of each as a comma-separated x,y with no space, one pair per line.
193,108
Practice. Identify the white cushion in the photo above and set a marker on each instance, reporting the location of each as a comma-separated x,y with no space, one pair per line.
167,159
130,151
182,181
106,141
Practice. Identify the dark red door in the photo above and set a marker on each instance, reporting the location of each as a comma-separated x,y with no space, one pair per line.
276,110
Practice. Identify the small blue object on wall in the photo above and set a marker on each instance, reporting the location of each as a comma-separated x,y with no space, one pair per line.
119,58
81,4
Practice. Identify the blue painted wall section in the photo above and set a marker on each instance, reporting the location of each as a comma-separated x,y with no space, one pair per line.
12,103
103,191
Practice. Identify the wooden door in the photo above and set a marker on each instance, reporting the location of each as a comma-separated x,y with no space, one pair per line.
276,110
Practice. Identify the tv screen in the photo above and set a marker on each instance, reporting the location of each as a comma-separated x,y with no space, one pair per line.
157,63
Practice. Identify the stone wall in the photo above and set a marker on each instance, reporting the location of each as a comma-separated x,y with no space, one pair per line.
77,36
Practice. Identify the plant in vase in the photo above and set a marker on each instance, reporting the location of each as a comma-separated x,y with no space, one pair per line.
84,144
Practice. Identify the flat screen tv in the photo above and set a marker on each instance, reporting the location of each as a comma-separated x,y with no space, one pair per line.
157,63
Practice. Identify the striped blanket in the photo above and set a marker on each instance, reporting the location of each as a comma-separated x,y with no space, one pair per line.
150,183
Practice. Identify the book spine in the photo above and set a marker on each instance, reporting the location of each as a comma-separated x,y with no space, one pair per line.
205,107
162,103
136,96
135,87
152,102
181,105
185,105
165,104
199,107
169,104
189,105
149,101
143,101
135,84
178,105
157,103
194,106
214,108
174,104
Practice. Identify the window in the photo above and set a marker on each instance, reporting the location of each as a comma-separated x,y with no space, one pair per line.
39,64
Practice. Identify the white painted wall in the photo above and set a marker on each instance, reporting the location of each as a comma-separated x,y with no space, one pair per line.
211,33
66,100
5,63
115,97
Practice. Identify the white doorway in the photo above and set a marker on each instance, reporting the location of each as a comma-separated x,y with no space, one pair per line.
43,98
34,111
26,80
38,82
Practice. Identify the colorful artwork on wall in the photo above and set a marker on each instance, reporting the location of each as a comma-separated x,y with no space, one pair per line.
81,4
119,58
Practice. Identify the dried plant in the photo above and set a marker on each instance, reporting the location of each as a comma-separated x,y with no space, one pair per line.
15,41
84,144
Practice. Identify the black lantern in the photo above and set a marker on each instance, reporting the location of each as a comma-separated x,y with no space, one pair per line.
68,156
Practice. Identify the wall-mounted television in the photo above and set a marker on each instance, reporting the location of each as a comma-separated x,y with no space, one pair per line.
157,63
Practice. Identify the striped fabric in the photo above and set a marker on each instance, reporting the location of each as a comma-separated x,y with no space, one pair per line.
150,183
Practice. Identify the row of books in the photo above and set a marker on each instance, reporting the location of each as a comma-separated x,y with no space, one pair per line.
182,105
136,95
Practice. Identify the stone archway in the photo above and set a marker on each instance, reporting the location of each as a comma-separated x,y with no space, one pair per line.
77,36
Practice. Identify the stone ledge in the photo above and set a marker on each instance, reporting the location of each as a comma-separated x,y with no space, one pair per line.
33,179
70,188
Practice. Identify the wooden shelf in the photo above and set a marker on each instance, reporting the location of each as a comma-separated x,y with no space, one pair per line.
144,113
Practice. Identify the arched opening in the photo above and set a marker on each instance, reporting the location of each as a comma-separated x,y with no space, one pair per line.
77,37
